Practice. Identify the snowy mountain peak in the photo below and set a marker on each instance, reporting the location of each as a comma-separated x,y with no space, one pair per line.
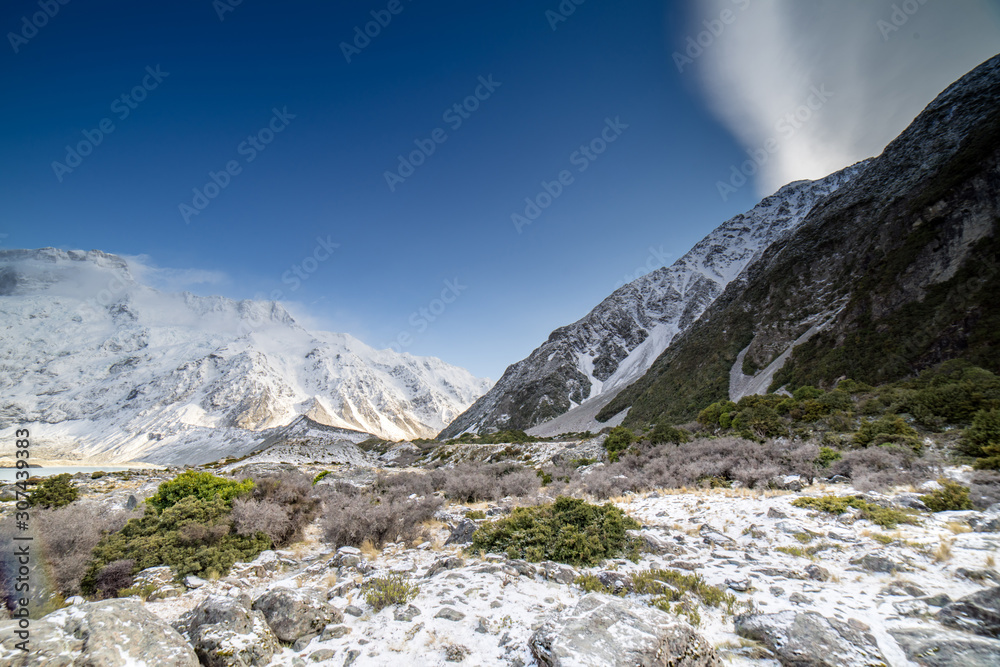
115,370
582,366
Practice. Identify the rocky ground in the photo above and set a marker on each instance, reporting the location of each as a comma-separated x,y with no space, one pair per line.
809,588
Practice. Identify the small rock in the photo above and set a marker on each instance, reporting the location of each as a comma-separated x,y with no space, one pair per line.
910,607
774,513
908,501
295,613
192,581
334,632
455,653
902,588
938,600
777,591
557,572
740,585
322,655
407,614
799,598
710,535
462,534
442,564
76,599
351,656
817,573
449,614
873,563
304,641
353,611
988,521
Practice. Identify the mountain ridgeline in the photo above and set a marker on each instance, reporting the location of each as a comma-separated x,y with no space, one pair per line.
893,273
874,273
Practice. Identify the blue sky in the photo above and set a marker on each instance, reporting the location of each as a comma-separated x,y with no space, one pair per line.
300,140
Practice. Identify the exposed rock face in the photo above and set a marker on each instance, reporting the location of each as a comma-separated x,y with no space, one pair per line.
226,633
295,613
979,613
945,648
110,633
617,341
611,632
897,271
809,639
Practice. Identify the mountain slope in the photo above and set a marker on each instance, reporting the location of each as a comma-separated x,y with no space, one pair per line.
589,361
895,272
114,368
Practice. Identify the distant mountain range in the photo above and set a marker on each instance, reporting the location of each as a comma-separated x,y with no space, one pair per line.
112,369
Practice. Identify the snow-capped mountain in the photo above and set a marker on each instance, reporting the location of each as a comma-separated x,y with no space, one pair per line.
109,368
581,367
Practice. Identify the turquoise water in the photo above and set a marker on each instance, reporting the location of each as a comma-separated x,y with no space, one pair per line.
8,474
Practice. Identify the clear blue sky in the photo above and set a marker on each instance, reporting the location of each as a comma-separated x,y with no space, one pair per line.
323,175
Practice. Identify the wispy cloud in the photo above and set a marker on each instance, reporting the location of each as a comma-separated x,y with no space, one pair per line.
146,272
882,62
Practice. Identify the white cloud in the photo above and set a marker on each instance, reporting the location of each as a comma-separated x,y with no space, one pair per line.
881,62
146,272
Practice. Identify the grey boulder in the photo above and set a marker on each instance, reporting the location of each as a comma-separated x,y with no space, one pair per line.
226,633
612,632
943,648
109,633
978,613
294,613
807,639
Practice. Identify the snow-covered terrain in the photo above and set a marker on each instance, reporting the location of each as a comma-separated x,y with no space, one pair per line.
103,368
567,380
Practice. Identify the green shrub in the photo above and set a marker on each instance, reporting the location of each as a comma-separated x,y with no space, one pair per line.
591,584
475,514
567,531
881,516
193,536
712,415
318,478
806,392
759,421
827,455
671,585
393,588
951,496
54,492
888,429
579,463
953,392
618,441
982,440
853,386
200,485
664,433
97,474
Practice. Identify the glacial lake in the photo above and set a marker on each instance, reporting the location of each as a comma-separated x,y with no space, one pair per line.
9,474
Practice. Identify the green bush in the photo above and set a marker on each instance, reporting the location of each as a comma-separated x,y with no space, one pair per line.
393,588
982,440
664,433
827,455
618,441
320,476
881,516
712,415
951,496
475,514
97,474
193,536
759,421
806,392
567,531
888,429
953,392
201,485
54,492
